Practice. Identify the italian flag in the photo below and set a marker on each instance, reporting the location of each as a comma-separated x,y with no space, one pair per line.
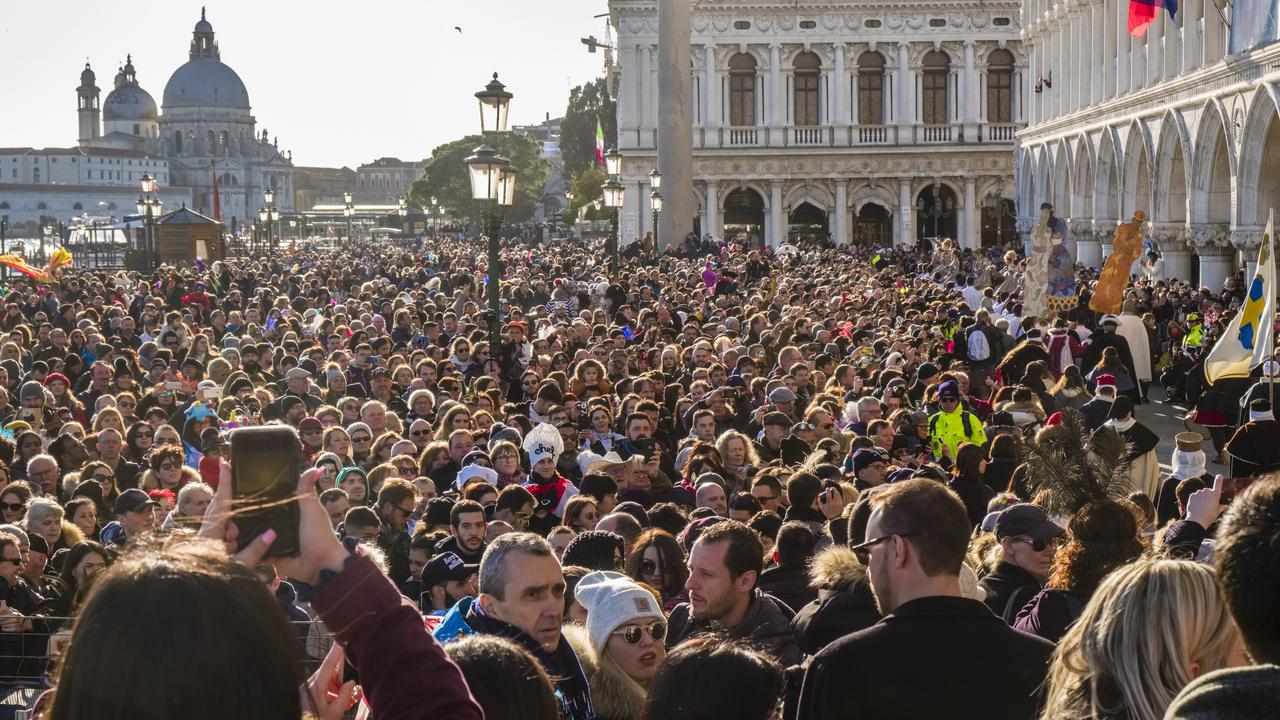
599,142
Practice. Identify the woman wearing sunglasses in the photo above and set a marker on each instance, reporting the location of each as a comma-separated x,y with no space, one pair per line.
623,644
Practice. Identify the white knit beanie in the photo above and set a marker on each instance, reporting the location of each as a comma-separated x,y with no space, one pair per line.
613,599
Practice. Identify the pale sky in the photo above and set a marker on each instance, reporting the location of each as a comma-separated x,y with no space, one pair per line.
340,83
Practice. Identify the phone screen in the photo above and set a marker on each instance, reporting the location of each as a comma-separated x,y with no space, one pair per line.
264,480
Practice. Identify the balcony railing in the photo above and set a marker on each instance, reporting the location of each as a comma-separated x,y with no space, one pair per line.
745,136
1001,132
934,134
875,134
810,136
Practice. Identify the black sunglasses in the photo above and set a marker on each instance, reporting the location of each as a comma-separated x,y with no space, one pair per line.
648,567
18,563
1037,545
634,633
12,507
862,551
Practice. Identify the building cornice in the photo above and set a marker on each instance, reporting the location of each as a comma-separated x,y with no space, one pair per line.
1233,74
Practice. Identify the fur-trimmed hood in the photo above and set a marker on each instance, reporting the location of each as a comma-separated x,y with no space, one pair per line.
613,696
836,568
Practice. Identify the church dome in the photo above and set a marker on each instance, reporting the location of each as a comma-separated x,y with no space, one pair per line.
129,102
205,82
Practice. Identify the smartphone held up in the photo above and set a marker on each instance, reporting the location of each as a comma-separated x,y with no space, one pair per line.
265,465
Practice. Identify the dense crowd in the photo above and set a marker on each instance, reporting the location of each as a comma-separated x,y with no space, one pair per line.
724,483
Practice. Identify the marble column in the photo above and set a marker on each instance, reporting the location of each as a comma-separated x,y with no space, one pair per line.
905,114
969,94
1024,226
628,94
777,216
1088,251
1120,15
839,84
1247,239
840,214
1104,232
675,126
1171,241
906,211
710,88
777,106
1212,242
711,210
969,233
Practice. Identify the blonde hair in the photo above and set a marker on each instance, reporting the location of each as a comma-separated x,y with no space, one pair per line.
1132,649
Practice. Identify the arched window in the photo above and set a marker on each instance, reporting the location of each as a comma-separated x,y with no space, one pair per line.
806,88
1000,86
871,88
212,139
934,88
77,206
177,142
742,90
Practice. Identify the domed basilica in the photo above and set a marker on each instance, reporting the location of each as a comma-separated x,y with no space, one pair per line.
203,127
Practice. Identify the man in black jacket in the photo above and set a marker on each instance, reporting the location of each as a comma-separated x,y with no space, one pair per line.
1026,537
395,505
935,652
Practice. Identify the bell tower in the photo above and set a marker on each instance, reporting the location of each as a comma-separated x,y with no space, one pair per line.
88,108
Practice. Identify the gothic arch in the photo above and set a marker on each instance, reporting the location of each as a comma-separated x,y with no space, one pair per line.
1213,165
1259,158
867,194
1136,186
1106,192
1172,165
1062,180
757,187
1082,179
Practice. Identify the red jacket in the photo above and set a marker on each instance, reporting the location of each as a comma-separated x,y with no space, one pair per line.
403,671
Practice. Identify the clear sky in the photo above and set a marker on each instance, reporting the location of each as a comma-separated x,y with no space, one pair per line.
340,83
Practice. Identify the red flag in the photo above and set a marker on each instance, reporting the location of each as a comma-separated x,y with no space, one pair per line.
217,197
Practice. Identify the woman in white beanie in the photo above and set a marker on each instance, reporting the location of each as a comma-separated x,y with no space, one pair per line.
622,647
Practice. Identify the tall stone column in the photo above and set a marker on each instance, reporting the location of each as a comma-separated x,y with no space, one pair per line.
970,232
1212,242
1088,251
839,84
1104,232
1247,239
970,93
777,104
1024,227
839,216
675,124
777,216
906,228
711,210
1171,239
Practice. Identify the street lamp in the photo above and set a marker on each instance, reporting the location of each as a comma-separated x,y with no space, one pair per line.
269,215
149,205
435,215
613,196
404,213
655,201
494,103
348,211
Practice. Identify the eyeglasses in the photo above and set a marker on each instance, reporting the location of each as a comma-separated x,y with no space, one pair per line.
106,478
420,433
649,567
1037,545
18,563
765,498
169,466
863,551
12,507
633,634
947,400
362,438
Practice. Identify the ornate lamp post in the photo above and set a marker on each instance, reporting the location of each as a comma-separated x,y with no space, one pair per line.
150,206
272,214
347,211
404,213
655,200
493,185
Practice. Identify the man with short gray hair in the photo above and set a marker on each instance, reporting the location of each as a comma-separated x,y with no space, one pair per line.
522,598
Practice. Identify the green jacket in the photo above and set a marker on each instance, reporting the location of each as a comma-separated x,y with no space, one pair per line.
952,429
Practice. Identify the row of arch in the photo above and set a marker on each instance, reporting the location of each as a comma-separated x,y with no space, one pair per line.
1181,167
870,73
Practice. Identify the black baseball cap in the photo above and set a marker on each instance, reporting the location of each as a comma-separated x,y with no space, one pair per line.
132,500
1026,520
444,567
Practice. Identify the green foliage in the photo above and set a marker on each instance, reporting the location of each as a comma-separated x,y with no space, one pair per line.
587,103
446,176
585,187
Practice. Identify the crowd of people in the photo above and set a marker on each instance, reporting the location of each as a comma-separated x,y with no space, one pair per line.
724,483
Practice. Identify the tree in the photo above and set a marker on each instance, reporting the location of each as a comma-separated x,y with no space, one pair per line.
585,187
447,179
587,103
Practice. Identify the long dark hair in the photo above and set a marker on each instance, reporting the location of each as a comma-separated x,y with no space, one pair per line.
679,690
507,682
968,462
1102,536
147,602
673,560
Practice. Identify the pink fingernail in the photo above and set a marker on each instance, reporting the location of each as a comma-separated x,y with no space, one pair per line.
269,537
